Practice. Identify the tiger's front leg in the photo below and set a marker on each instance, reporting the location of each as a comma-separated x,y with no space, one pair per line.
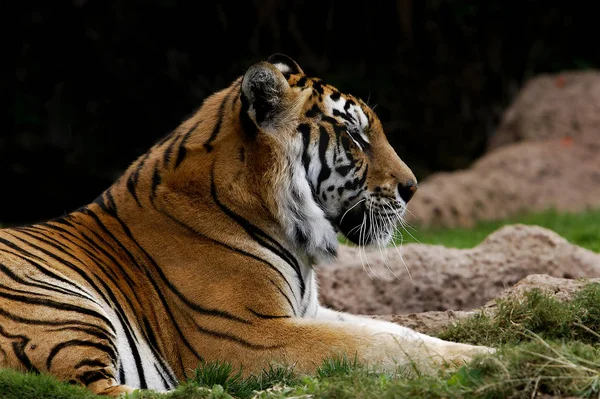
428,350
305,342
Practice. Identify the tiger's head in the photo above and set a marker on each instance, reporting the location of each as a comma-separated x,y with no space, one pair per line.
286,153
339,172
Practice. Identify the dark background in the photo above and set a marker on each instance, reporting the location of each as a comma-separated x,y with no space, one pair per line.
97,82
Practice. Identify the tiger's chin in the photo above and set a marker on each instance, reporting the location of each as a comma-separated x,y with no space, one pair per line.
366,229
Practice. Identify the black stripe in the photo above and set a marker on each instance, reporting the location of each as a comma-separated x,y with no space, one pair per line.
221,114
266,316
166,385
258,235
156,180
19,348
325,169
305,307
314,111
134,177
304,129
284,294
355,134
151,338
343,115
89,377
78,342
182,151
233,338
5,287
169,151
343,170
121,374
90,363
93,332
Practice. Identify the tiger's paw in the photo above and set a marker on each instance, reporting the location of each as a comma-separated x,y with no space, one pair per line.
457,354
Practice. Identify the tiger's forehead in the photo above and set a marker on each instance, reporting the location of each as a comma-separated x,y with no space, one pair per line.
352,111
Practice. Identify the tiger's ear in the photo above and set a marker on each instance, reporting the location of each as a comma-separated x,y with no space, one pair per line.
285,64
264,93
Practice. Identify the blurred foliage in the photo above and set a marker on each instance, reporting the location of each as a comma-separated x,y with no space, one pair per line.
98,82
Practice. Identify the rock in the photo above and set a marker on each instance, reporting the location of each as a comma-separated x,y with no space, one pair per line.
561,288
521,177
447,278
561,106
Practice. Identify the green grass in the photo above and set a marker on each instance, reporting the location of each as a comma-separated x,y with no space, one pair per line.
545,346
582,229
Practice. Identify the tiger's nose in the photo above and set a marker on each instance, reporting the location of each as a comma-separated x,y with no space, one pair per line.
407,190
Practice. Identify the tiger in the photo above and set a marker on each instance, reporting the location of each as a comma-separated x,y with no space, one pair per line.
204,249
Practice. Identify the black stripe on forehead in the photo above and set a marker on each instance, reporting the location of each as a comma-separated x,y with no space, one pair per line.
301,82
318,85
347,117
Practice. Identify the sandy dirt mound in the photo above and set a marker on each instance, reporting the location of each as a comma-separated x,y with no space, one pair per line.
530,176
430,322
545,154
562,106
447,278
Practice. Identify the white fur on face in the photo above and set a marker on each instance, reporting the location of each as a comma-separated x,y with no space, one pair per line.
298,211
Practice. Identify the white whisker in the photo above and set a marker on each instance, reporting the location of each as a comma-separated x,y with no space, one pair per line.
368,237
403,223
396,213
349,209
396,231
385,258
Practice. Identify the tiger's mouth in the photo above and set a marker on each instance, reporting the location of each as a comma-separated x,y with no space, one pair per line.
363,225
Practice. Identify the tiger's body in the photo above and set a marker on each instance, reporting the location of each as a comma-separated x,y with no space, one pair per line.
203,249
